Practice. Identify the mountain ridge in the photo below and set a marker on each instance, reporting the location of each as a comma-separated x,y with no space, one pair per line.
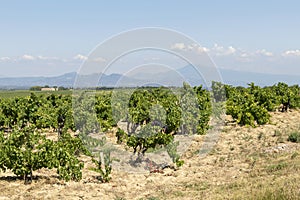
171,78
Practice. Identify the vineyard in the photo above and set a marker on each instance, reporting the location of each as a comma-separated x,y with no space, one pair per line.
74,135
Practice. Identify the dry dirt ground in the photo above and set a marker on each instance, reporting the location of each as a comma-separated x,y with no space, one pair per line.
246,163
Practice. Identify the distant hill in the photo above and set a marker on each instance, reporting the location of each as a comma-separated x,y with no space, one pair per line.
65,80
242,78
170,78
232,77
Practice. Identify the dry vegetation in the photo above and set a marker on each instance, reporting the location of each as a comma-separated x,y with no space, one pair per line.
246,163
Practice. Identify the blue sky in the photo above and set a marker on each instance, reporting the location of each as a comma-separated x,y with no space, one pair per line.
54,37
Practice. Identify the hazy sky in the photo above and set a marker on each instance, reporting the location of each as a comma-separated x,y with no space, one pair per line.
54,37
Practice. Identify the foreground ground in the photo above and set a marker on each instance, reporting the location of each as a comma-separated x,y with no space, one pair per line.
246,163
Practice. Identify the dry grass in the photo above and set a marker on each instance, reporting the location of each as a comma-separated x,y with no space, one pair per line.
246,163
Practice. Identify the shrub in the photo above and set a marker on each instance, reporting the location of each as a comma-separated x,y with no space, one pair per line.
294,137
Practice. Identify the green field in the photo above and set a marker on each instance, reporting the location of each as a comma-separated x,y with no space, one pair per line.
24,93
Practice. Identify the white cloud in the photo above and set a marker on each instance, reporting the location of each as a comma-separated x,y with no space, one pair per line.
47,58
202,49
239,53
291,53
222,51
192,47
4,59
218,48
80,57
178,46
27,57
264,52
99,59
245,56
231,50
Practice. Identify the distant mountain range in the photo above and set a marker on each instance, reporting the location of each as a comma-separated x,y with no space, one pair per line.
65,80
170,78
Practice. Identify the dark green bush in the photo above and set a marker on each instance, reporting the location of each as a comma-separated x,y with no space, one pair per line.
294,137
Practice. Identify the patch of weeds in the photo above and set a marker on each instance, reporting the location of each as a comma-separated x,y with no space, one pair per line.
172,151
280,140
261,136
212,152
150,198
247,137
222,159
294,155
233,185
277,133
178,193
269,194
120,198
278,193
225,130
252,161
294,137
103,167
198,186
116,159
277,167
242,148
